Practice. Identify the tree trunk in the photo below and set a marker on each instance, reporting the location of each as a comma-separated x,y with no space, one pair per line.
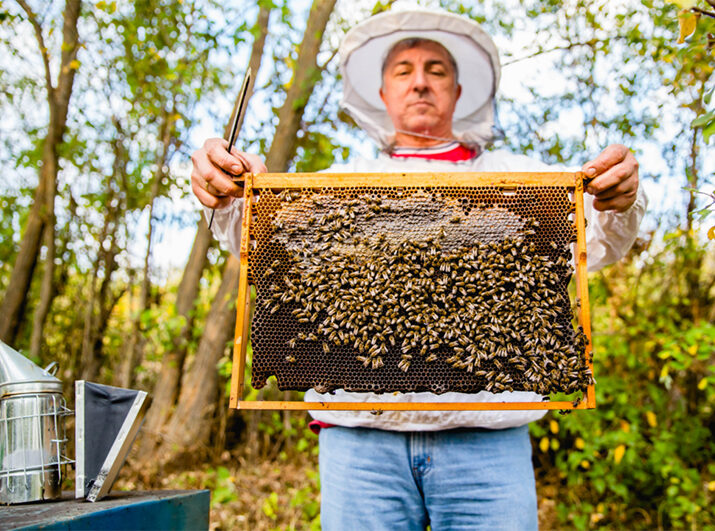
189,427
47,289
254,62
58,97
190,423
134,349
693,259
89,367
100,301
166,389
306,75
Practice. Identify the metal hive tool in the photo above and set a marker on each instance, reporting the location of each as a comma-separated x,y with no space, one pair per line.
414,282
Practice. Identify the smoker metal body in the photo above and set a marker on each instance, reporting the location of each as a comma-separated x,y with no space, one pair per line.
32,436
32,431
497,183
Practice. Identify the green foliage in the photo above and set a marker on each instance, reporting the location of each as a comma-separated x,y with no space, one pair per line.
643,458
270,506
706,121
696,26
224,488
304,498
317,151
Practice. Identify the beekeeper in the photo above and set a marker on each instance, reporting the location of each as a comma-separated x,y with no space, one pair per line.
422,85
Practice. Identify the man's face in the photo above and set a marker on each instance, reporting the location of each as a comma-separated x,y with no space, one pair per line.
420,91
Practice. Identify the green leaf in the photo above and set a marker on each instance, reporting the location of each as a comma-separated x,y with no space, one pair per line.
709,131
599,484
684,4
703,119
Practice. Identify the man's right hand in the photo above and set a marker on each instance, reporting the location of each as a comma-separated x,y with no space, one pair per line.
211,177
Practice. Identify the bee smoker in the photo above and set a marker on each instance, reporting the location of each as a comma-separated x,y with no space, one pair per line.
32,431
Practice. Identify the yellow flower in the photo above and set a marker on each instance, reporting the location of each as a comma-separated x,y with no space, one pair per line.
619,452
544,444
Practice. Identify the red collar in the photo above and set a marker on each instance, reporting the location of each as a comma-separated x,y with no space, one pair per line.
452,151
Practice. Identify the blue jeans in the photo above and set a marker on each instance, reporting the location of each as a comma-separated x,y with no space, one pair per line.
453,479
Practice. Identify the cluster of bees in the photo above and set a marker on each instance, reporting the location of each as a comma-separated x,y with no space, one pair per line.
422,280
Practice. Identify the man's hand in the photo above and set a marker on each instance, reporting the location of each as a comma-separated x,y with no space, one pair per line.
615,178
211,179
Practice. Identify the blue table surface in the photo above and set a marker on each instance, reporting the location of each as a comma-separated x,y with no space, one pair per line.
142,510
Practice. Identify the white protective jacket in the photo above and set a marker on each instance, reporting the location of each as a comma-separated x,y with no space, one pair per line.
609,235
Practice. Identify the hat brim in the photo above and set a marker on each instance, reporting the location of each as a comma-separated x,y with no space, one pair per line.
366,45
475,69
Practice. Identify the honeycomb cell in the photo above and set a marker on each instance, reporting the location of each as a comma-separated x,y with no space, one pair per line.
415,289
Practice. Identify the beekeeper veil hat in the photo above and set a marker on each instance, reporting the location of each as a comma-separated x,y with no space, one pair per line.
366,45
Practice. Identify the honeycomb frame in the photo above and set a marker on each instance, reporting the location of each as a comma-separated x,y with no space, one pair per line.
506,183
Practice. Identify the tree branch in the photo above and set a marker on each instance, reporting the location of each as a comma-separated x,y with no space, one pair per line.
379,7
571,45
329,60
700,11
41,43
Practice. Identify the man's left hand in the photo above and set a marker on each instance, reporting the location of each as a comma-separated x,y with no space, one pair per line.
615,178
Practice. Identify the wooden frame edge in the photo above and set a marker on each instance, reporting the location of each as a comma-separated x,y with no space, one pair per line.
584,314
406,406
308,180
412,179
243,300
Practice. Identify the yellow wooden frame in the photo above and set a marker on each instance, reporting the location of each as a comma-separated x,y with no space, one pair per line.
253,183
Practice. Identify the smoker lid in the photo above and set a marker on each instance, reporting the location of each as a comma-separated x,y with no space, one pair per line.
19,375
106,423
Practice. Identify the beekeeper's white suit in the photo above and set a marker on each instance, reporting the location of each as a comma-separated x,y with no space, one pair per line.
453,469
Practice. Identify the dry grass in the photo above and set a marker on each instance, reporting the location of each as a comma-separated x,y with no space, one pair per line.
246,494
272,494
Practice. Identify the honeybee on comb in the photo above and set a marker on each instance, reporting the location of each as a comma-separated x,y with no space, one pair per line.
400,288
